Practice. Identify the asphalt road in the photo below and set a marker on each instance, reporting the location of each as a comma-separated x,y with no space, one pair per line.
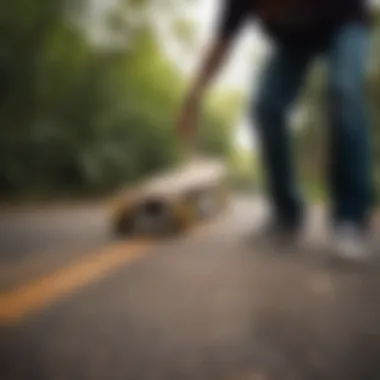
76,304
24,232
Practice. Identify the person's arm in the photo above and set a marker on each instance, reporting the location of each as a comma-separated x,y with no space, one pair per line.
232,17
209,67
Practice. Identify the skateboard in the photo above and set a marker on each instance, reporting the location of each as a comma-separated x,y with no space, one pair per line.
171,202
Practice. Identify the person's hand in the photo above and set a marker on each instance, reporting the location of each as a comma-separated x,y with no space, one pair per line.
188,120
187,126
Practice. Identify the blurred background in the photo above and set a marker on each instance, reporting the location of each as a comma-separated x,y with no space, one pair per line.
90,91
89,95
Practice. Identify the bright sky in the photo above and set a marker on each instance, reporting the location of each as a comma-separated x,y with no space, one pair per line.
245,58
243,65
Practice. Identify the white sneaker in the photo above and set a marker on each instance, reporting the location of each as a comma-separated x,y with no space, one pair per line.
349,242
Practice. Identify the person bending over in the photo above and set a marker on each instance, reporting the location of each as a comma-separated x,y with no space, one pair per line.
302,30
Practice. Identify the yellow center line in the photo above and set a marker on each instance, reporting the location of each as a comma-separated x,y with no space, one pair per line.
27,299
34,263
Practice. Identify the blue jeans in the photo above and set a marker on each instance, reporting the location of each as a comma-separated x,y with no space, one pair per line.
346,52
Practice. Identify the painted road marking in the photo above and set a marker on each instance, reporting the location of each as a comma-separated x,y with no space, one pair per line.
29,298
37,261
32,297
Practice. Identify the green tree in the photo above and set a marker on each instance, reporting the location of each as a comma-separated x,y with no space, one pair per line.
84,113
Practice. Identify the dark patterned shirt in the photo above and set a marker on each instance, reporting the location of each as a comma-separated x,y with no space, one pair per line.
290,20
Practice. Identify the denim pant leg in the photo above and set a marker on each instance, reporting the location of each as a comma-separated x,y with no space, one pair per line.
351,187
280,83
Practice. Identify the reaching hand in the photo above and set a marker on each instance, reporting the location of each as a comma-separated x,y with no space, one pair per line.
189,114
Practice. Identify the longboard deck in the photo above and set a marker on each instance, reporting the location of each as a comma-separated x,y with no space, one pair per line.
174,182
184,191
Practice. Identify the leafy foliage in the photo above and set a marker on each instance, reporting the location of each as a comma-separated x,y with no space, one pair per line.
84,113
